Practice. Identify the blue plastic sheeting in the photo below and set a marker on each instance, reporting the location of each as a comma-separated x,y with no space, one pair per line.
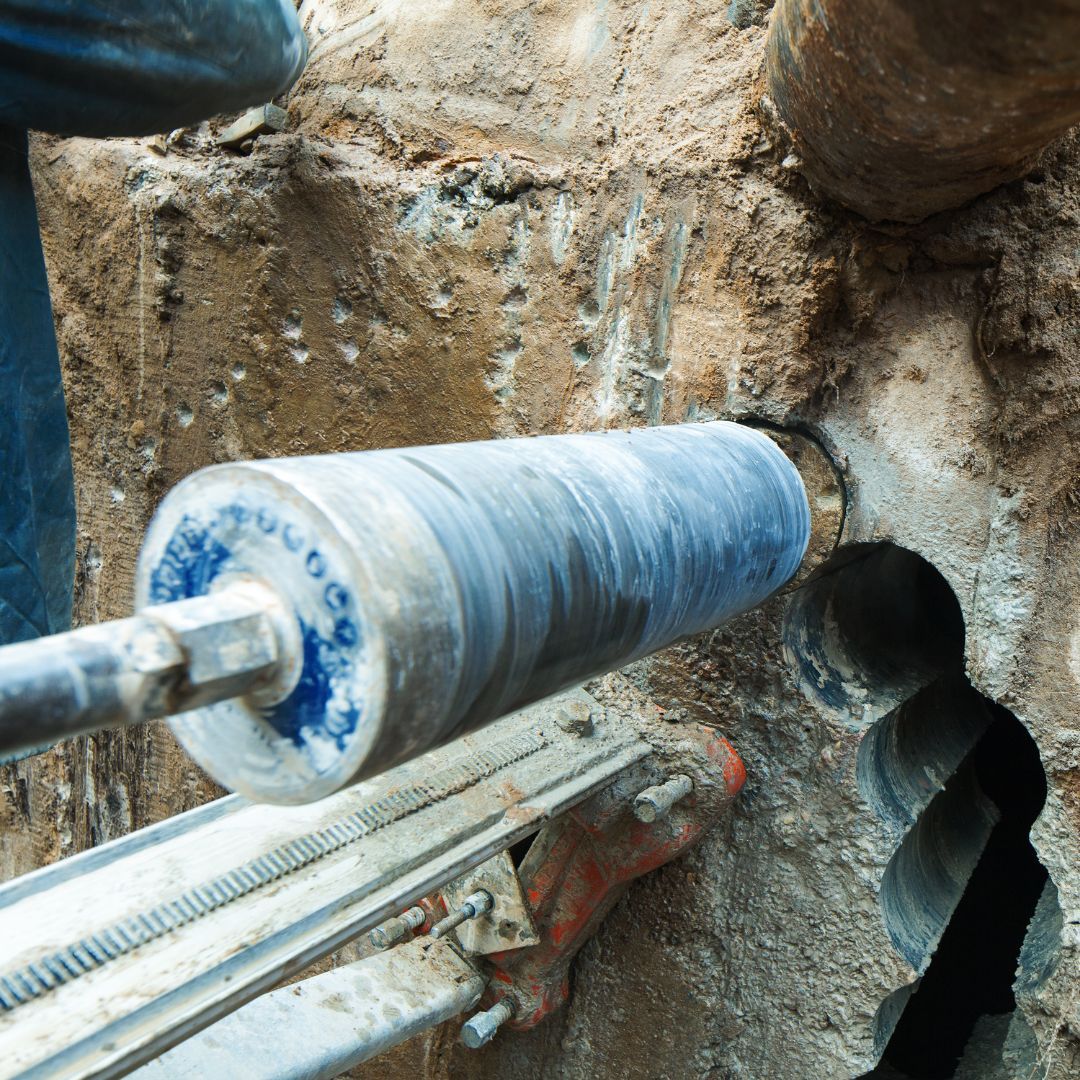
37,506
78,67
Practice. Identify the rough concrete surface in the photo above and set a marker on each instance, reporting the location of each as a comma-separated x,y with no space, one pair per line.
512,218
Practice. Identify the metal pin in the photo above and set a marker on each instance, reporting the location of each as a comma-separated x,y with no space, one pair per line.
654,802
481,1029
479,903
394,930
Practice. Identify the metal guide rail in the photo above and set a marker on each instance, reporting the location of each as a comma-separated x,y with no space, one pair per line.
110,957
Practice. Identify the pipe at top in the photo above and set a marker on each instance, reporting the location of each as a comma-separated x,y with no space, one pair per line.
898,109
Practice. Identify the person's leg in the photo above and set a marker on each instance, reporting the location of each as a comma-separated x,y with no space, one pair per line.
138,67
37,505
92,67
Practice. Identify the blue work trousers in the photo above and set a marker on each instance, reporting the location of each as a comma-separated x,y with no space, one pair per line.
92,67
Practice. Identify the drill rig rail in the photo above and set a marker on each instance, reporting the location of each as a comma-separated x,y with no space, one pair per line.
112,956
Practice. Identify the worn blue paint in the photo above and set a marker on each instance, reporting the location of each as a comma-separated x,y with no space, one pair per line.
336,596
313,705
198,551
192,559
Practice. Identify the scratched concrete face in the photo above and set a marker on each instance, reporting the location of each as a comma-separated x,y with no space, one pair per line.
542,218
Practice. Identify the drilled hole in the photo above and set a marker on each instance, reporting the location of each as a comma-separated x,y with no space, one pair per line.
967,995
906,758
870,629
956,783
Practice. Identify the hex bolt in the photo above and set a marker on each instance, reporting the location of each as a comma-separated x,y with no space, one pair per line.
574,716
479,903
394,930
654,802
480,1029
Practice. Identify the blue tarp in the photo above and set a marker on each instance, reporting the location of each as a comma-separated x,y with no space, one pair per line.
78,67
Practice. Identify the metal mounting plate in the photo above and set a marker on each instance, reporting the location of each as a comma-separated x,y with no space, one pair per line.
205,911
508,925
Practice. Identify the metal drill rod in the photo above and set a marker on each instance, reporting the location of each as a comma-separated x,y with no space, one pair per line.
163,661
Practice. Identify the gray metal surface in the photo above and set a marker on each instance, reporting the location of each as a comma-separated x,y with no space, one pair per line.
109,958
165,660
654,802
474,906
480,1029
398,928
438,588
510,925
318,1028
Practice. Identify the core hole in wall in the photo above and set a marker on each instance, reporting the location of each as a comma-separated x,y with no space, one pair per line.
971,976
872,627
878,636
906,759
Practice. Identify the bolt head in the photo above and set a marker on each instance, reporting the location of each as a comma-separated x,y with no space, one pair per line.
475,1033
480,1029
382,937
575,717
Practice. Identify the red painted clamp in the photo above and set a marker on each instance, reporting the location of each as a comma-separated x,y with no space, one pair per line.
580,864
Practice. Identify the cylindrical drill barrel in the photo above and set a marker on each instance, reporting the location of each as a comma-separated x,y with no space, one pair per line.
438,588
